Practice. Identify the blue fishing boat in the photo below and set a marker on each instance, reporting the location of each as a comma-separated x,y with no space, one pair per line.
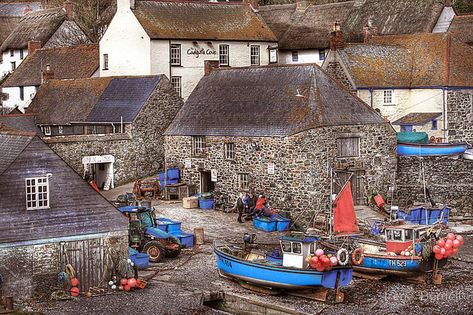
430,149
291,272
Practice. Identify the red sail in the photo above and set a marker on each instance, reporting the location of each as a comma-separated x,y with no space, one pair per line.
344,216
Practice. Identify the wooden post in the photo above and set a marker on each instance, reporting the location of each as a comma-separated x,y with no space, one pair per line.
199,236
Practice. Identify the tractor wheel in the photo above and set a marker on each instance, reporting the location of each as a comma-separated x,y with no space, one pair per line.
173,253
155,251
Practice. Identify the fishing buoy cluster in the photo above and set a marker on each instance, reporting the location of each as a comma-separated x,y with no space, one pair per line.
408,252
321,261
126,284
448,246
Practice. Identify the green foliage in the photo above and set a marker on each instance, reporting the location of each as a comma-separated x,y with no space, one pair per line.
463,6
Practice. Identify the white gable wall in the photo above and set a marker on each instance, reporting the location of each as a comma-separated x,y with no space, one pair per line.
304,56
7,59
14,99
444,21
127,45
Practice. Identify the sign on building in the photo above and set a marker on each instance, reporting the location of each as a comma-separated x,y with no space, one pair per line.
187,163
271,168
213,175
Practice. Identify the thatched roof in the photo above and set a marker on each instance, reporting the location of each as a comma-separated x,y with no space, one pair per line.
10,16
268,101
72,62
462,28
201,20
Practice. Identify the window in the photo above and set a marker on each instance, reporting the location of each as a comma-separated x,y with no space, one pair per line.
407,128
21,53
13,65
388,97
22,93
12,53
321,54
223,55
243,181
176,83
60,130
286,247
230,151
434,125
297,248
37,193
198,145
47,130
348,147
295,56
105,62
175,55
255,55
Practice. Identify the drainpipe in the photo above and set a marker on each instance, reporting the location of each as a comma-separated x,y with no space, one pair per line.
371,97
444,113
169,60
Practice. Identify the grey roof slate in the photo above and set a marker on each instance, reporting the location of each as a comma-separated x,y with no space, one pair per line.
268,101
123,98
11,146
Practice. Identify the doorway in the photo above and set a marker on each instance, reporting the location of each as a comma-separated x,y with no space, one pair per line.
206,184
99,169
357,182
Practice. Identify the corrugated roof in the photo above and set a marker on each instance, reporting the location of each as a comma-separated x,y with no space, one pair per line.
21,122
462,28
417,119
11,146
201,20
39,26
123,99
307,29
269,101
72,62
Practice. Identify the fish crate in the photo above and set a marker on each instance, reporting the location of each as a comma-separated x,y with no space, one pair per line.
186,239
265,224
168,225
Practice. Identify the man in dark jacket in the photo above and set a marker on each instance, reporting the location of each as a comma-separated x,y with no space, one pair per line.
240,207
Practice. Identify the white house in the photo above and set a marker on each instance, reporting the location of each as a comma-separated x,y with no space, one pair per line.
177,38
303,29
415,81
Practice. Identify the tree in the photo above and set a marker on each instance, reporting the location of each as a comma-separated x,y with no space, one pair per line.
463,6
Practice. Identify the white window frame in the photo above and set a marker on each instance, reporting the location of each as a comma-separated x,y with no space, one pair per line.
198,145
230,152
255,55
37,193
105,62
21,54
12,53
243,181
224,54
60,129
176,82
322,54
22,93
341,145
13,65
175,55
388,96
47,130
295,56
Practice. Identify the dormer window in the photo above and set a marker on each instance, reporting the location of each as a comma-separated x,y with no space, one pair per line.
37,193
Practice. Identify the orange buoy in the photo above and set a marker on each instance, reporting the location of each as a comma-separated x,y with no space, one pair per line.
74,282
75,291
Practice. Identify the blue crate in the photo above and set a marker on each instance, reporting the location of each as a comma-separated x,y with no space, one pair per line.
173,173
206,203
264,224
168,225
141,260
282,224
185,239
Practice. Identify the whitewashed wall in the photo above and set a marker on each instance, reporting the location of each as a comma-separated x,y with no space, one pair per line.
444,21
14,97
5,65
304,56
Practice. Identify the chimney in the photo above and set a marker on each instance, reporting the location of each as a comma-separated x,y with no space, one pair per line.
27,9
210,65
125,5
69,8
47,74
301,4
369,30
33,45
132,4
253,3
336,37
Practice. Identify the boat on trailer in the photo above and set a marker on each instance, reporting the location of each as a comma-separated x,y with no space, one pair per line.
430,149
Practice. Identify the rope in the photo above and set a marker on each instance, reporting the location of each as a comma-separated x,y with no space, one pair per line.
70,271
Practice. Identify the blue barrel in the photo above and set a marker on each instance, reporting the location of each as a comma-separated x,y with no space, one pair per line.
173,173
141,260
206,203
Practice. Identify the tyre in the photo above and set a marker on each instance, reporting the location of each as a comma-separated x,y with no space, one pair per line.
155,251
173,253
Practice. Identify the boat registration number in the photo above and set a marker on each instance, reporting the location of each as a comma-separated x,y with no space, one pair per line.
226,262
398,263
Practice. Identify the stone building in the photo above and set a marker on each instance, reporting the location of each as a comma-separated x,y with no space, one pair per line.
409,77
108,128
71,62
303,28
277,130
175,38
49,217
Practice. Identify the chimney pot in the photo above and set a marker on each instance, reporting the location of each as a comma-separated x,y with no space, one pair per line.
336,39
69,8
47,74
33,45
27,9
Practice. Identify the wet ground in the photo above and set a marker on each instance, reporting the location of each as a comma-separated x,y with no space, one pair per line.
181,284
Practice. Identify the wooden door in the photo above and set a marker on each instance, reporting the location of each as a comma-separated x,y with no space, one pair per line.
357,185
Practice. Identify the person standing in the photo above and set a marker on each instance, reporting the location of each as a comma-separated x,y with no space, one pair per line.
240,207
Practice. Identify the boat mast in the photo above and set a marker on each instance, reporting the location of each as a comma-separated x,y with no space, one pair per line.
331,205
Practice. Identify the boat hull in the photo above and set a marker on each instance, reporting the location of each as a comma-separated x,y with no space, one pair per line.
280,277
468,155
378,264
437,149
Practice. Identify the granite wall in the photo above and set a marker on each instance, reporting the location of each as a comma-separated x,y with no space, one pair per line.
460,115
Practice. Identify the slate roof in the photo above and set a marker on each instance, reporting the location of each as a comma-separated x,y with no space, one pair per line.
462,28
201,20
309,29
123,99
268,101
106,99
20,122
11,145
71,62
417,119
39,25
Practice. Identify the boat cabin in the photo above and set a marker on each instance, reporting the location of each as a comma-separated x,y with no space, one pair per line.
400,237
295,250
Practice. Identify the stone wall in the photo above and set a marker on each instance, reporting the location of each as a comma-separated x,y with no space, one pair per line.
139,152
460,115
336,71
32,270
448,179
301,163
